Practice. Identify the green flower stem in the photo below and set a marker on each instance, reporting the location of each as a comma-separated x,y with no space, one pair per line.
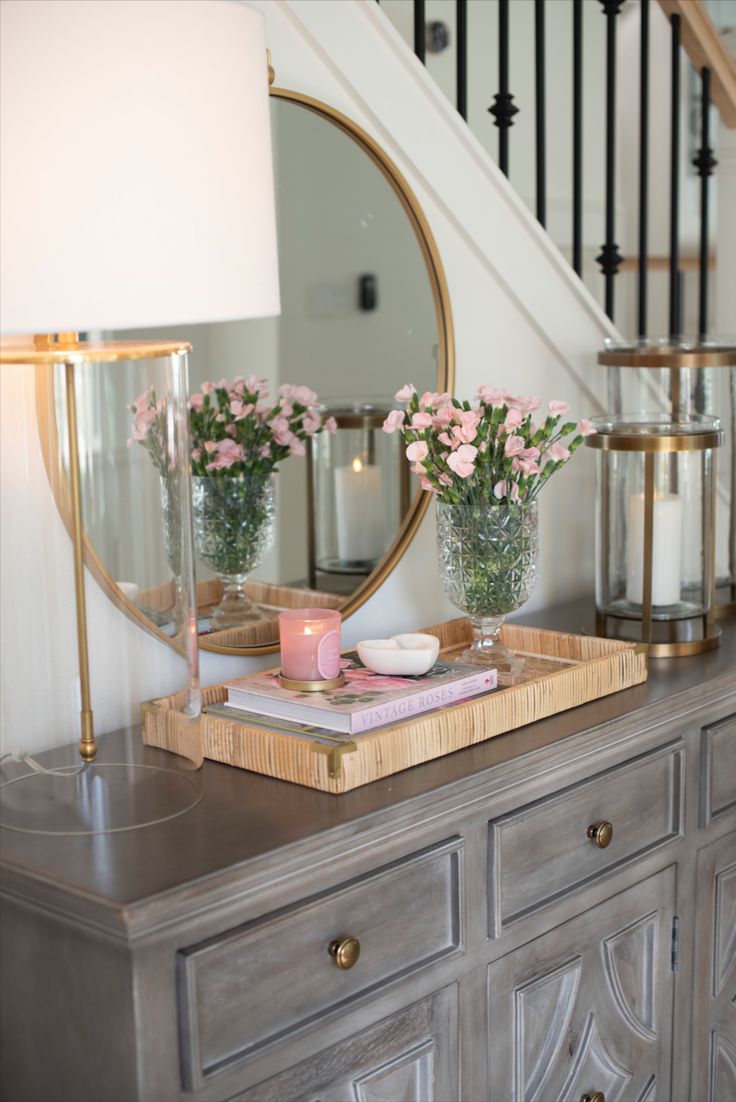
487,555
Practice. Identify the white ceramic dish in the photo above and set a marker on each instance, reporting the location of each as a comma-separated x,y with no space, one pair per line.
402,655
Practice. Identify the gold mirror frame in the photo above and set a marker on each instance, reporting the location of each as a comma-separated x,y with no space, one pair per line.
48,429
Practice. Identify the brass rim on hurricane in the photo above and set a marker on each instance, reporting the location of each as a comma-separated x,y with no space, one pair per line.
672,648
685,649
666,357
639,442
647,432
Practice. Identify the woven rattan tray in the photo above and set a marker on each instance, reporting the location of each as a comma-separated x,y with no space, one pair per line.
561,671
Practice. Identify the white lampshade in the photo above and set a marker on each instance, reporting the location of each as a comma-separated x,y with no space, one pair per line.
136,184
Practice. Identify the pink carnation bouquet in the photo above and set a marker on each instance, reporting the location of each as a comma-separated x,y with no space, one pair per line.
234,428
486,462
501,448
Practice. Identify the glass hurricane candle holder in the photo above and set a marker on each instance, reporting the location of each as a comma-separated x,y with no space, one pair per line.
655,546
685,379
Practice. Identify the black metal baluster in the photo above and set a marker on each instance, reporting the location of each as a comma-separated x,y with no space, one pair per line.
540,122
705,162
610,258
577,136
420,31
675,182
503,109
643,166
461,23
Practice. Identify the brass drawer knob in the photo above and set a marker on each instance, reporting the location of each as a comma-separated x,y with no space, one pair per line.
596,1096
345,952
601,834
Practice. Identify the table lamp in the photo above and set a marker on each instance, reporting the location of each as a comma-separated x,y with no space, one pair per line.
136,190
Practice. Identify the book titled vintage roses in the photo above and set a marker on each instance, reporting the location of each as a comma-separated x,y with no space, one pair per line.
366,700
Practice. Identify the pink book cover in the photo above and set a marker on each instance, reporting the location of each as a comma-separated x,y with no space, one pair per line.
366,700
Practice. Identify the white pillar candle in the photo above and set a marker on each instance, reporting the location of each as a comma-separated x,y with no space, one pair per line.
359,512
666,550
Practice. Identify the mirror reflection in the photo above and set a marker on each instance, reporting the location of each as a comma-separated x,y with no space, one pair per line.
363,310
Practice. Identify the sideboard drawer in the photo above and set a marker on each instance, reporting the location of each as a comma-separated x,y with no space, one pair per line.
548,849
250,986
717,770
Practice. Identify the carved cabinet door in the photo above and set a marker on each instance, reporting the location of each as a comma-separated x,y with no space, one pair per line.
587,1007
713,1064
411,1056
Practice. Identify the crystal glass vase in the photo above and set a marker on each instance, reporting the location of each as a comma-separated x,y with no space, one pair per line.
234,524
488,563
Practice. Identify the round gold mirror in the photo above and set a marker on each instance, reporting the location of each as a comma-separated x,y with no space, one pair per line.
365,309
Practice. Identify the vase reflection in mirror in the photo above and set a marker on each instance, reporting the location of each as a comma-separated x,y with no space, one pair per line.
240,438
234,528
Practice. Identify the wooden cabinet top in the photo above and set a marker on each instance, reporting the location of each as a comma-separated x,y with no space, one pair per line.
250,829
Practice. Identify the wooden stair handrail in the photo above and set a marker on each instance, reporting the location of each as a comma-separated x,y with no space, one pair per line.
662,264
705,47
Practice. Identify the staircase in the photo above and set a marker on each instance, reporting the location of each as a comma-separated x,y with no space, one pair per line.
604,116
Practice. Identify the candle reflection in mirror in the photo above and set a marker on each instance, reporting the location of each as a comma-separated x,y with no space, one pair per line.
358,490
359,515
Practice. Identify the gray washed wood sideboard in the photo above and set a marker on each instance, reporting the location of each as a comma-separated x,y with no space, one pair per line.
506,951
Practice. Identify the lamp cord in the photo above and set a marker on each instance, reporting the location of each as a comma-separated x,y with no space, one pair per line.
22,758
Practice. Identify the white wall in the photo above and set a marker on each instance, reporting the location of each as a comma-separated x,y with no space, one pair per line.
520,321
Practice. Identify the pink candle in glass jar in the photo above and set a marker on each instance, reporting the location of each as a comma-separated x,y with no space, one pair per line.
310,644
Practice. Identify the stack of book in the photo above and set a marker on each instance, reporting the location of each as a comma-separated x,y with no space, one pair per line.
366,700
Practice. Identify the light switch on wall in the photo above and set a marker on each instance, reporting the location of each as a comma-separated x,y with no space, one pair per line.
336,299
